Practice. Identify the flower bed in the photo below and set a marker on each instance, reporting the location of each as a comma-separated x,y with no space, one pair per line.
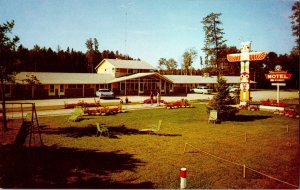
102,111
178,104
273,103
82,104
290,112
148,101
254,107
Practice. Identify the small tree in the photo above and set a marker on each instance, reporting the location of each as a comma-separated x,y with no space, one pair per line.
221,101
188,59
7,48
33,81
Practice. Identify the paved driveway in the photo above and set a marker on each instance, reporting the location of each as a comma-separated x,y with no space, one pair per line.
256,96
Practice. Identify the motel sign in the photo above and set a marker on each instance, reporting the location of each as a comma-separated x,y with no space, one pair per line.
278,76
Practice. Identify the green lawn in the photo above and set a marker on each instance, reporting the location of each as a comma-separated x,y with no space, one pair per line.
75,158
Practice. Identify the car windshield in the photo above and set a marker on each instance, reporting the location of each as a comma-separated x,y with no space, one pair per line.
104,90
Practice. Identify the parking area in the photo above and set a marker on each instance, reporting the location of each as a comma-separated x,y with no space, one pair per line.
256,96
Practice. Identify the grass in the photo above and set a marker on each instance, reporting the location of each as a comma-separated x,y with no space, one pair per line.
75,158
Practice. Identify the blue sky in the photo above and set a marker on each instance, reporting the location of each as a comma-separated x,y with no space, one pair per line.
149,29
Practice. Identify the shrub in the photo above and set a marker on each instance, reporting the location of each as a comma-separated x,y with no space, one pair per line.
221,101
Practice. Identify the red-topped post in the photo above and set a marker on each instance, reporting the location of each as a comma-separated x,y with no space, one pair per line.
182,178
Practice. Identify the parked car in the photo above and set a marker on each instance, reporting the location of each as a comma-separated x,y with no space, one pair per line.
105,93
233,89
202,90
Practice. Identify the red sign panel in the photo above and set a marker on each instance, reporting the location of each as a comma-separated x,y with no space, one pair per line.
278,76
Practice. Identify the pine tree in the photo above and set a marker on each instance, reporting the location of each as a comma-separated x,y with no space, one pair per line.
295,25
213,42
221,101
7,60
93,55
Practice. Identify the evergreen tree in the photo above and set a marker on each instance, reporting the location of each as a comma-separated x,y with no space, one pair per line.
213,42
295,25
221,101
7,60
93,55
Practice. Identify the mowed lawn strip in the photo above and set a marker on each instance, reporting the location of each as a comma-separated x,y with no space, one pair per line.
259,140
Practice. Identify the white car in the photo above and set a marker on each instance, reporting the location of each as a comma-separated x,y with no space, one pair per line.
202,90
233,89
105,93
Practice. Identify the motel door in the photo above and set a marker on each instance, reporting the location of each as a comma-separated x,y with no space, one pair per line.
59,89
167,88
141,87
56,90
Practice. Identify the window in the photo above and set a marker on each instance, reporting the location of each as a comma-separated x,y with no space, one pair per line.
162,84
62,88
72,86
51,88
79,85
122,86
141,86
7,89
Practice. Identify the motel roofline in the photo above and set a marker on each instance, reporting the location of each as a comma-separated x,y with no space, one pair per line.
140,75
197,79
64,78
127,64
94,78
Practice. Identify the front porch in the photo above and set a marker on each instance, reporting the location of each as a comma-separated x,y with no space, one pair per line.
142,84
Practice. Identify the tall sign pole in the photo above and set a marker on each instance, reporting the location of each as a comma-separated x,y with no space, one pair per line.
244,58
278,78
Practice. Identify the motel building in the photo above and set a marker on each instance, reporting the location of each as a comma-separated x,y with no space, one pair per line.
123,77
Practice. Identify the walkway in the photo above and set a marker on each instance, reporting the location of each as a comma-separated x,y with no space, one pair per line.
59,103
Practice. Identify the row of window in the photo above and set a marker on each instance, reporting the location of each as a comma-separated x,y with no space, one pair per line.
148,84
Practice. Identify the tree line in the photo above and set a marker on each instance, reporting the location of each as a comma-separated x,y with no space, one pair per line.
42,59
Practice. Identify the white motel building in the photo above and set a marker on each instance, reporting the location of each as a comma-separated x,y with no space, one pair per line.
124,77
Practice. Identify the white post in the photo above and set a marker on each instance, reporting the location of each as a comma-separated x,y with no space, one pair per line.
182,178
82,90
278,95
244,171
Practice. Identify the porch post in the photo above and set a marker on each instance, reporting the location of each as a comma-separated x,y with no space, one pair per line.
185,88
139,81
125,89
83,90
160,85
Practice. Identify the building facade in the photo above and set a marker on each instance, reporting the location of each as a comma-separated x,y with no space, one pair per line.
123,77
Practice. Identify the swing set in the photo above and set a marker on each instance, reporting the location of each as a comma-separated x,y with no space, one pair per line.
29,124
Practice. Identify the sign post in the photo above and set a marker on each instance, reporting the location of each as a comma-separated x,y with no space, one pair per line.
278,89
278,76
